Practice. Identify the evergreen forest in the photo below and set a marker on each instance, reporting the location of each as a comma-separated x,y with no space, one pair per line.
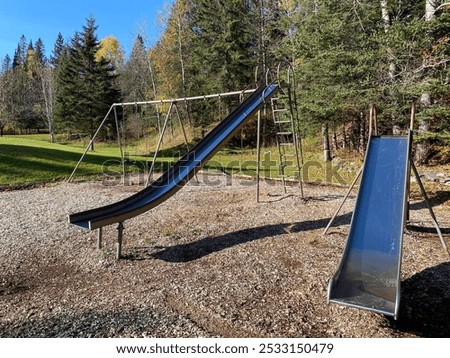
347,55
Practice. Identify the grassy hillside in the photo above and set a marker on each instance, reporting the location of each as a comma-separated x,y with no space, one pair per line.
31,158
26,159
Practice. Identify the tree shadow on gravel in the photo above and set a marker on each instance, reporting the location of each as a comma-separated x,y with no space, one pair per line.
425,303
427,230
438,198
196,250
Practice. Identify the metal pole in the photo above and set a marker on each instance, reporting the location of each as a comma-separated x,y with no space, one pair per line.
120,228
295,136
90,143
343,201
174,100
258,155
430,209
293,86
293,90
408,192
159,143
99,238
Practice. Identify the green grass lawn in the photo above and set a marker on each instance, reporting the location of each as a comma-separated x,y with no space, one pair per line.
32,158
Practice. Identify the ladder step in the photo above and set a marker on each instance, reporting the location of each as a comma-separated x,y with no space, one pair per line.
284,133
286,144
285,98
280,110
282,122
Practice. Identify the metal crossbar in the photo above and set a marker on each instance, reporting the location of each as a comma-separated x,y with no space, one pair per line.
185,99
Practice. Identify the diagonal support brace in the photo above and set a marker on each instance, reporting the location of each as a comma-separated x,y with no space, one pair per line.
343,201
430,209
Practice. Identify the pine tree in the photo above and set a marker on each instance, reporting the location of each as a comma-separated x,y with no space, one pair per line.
58,50
86,87
6,64
223,57
135,79
5,94
20,53
222,54
39,51
337,61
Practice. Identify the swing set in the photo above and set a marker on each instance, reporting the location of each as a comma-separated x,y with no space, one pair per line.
283,110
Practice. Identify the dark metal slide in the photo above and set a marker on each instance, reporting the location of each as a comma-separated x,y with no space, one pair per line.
177,176
368,276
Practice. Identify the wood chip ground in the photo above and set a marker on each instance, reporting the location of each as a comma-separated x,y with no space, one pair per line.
209,262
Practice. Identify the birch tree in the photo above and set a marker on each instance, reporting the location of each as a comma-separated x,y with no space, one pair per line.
111,50
171,54
47,88
387,24
425,99
423,147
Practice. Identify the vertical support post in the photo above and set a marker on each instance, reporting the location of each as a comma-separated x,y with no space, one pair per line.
408,193
430,209
120,228
158,146
296,129
258,155
99,238
295,137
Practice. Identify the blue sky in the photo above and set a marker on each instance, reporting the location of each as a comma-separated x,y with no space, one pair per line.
45,18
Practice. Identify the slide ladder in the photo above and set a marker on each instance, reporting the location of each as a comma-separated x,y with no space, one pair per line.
287,137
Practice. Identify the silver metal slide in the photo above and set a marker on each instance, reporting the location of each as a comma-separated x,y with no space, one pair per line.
177,176
368,276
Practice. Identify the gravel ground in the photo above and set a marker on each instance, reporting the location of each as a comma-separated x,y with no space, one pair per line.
209,262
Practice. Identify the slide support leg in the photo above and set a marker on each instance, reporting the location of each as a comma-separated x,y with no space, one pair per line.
430,209
119,240
99,238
